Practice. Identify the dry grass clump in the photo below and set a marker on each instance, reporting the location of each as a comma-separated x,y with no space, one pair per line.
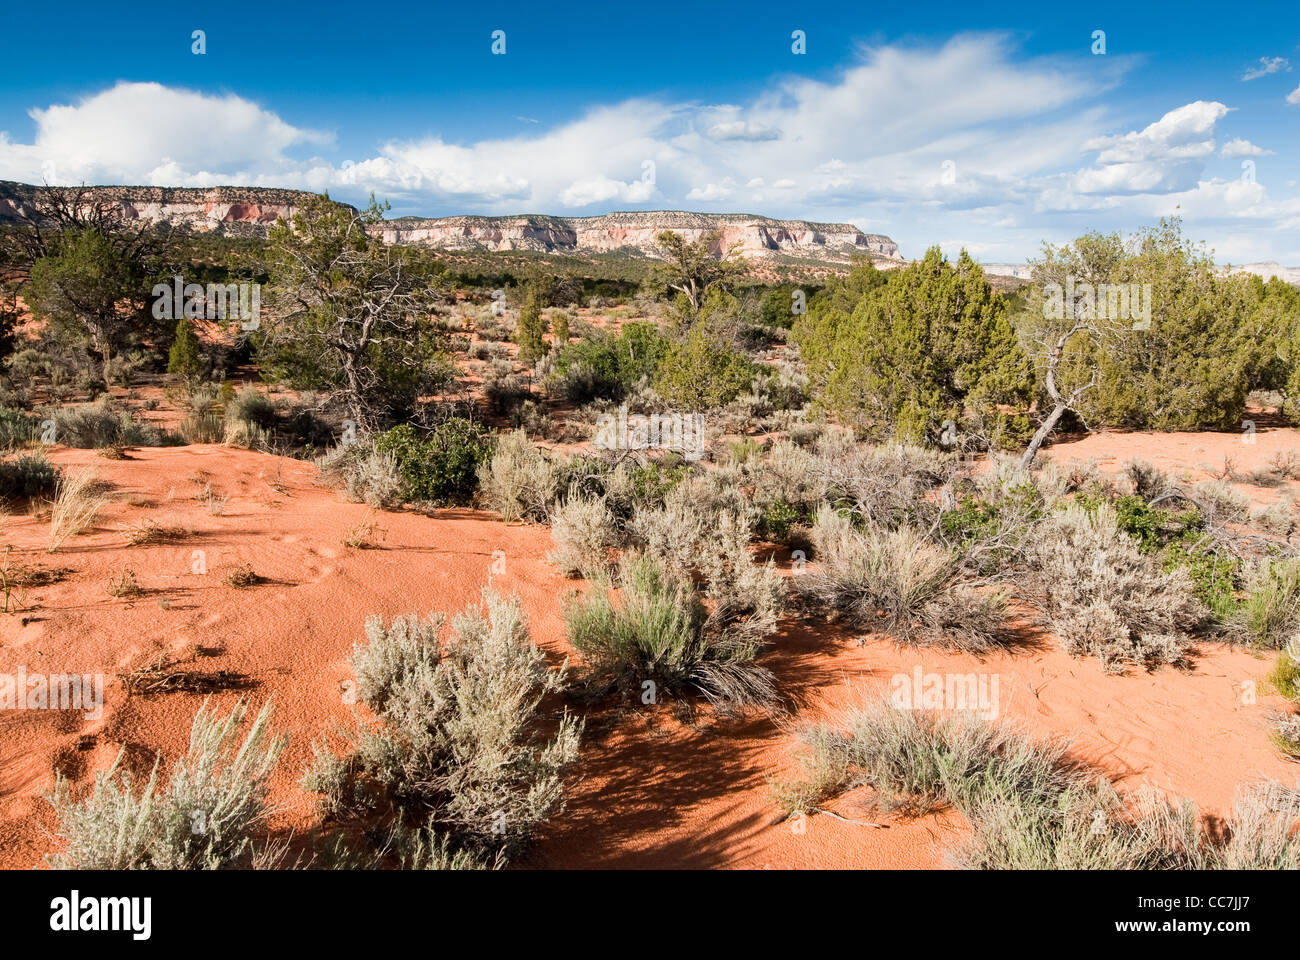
1278,518
215,502
1270,615
459,759
150,532
364,474
657,638
1029,805
161,677
676,529
124,584
1286,735
241,577
1282,466
709,543
1221,501
76,505
204,819
1104,598
521,482
898,582
1148,481
584,533
1076,474
364,535
887,485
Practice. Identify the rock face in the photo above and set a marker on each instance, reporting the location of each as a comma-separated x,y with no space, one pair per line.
635,232
249,211
1266,270
1270,269
225,211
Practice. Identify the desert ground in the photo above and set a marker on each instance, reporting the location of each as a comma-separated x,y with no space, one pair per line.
655,786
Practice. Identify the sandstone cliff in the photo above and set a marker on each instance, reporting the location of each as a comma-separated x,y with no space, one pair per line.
249,211
635,232
225,211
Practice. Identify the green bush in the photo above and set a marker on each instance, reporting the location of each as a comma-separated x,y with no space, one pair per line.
608,367
442,467
778,518
184,359
898,354
531,329
703,370
28,476
655,640
250,406
18,428
1212,338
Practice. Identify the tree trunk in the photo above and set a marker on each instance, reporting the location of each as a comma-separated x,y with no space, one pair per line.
1041,434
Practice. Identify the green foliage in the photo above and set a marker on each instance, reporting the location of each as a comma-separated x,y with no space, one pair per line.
703,370
653,481
346,313
1152,527
1214,576
1212,337
17,428
184,359
1285,676
692,268
531,328
896,355
442,467
776,308
605,366
778,517
90,288
980,519
560,328
1177,541
28,476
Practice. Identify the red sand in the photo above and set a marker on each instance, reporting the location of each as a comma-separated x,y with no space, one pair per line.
650,790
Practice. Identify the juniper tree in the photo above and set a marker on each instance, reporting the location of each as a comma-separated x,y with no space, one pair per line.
346,312
184,360
84,269
692,267
927,344
531,328
1185,360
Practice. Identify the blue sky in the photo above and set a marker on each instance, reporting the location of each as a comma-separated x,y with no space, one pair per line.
991,128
